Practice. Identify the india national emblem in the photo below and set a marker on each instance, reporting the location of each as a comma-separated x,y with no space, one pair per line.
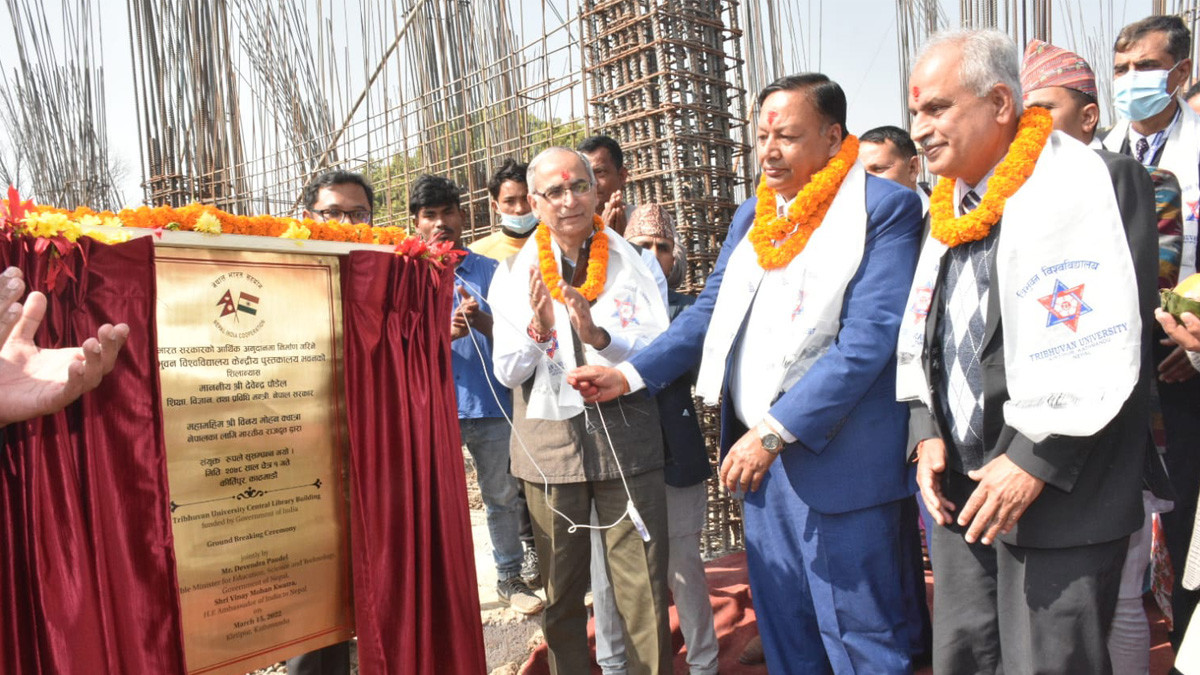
1065,305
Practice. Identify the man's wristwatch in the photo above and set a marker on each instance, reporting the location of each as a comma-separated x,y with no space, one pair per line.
771,441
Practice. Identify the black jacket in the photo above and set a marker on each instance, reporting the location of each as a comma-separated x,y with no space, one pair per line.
1093,489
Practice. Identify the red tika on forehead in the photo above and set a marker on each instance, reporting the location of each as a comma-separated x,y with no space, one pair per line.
771,116
916,92
566,175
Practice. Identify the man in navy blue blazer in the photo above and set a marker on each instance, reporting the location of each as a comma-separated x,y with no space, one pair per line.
803,350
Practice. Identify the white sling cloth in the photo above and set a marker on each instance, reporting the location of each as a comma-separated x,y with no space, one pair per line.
629,306
1068,300
1180,156
799,306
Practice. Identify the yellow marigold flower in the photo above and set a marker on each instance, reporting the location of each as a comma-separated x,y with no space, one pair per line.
71,231
89,221
46,224
296,231
114,221
106,238
208,223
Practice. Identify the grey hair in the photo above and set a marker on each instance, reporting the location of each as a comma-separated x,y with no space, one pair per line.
553,150
989,57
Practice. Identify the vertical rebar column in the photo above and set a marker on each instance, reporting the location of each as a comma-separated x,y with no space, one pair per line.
664,79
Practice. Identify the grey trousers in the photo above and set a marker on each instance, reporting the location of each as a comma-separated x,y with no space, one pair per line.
1018,610
637,569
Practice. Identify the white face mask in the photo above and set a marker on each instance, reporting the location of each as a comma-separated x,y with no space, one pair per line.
519,224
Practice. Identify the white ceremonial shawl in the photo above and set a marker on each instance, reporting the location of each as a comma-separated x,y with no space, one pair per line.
1068,300
630,306
1180,156
799,306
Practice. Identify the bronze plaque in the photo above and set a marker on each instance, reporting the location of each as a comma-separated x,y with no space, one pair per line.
249,347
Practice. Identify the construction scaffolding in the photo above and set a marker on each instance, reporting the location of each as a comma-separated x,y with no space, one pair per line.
448,88
240,102
53,108
665,80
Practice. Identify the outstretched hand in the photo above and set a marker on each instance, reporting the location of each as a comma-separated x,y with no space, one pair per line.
35,381
1186,334
598,383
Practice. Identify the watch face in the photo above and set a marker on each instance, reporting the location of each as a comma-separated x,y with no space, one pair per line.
772,442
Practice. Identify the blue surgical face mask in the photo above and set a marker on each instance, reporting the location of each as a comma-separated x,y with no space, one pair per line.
519,224
1141,94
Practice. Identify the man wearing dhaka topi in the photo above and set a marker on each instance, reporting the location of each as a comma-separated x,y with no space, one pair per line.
1020,354
796,332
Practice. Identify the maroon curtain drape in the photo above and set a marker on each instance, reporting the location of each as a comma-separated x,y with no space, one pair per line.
416,602
87,572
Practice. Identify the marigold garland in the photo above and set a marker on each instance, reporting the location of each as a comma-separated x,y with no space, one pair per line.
778,240
48,221
597,267
1011,173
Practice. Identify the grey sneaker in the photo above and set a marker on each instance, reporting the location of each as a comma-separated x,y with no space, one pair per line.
518,596
530,573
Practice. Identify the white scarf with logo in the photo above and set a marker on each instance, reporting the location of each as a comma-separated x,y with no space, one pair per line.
1180,156
630,306
1067,296
799,306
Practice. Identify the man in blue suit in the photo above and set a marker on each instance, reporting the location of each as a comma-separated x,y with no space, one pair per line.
799,339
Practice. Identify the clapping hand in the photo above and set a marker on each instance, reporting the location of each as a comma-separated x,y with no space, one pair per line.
614,213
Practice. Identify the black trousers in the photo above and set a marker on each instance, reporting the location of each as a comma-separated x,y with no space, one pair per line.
1018,610
1181,419
331,660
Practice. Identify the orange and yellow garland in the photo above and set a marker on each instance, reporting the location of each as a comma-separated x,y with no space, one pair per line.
597,267
1011,173
778,240
205,218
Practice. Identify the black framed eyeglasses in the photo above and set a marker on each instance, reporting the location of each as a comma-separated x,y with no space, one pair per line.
355,216
579,188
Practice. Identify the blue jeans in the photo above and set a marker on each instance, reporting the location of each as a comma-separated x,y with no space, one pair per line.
487,441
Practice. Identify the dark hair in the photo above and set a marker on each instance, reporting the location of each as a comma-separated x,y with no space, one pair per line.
509,170
1192,91
1179,39
899,138
825,95
1081,98
430,190
337,177
594,143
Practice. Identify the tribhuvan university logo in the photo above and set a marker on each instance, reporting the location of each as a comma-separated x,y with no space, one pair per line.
239,296
626,311
1066,305
921,302
799,308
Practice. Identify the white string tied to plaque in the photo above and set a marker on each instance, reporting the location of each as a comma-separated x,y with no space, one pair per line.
630,510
